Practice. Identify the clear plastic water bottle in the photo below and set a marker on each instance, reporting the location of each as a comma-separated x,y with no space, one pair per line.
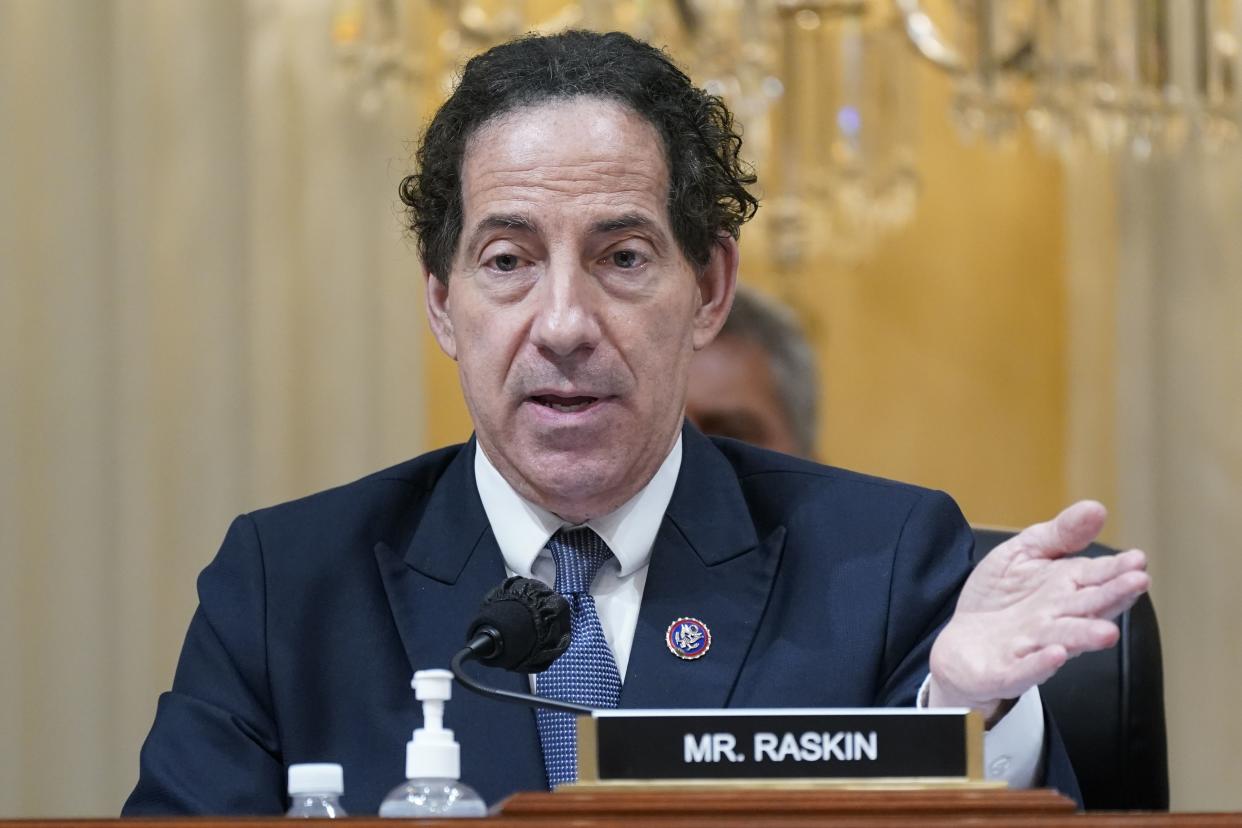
315,790
433,761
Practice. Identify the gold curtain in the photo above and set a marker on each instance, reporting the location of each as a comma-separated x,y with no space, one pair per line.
206,304
1178,371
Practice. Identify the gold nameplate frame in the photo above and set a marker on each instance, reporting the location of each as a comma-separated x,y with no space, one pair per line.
886,748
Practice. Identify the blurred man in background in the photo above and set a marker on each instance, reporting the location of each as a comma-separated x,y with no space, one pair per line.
758,381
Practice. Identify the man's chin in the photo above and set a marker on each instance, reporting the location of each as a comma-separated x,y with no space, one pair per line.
571,472
578,486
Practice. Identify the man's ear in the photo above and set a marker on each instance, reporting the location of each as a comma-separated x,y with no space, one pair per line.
438,314
717,283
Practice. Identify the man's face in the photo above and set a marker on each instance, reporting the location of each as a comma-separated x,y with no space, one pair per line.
733,393
570,309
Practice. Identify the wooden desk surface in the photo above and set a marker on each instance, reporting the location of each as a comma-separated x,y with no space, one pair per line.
741,808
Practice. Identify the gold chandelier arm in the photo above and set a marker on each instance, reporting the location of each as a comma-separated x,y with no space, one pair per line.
926,39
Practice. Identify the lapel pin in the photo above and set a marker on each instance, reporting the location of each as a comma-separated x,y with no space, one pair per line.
688,638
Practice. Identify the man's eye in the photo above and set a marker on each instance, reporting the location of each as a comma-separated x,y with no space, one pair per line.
505,262
626,259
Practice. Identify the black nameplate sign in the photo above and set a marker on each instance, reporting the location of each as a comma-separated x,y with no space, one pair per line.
852,744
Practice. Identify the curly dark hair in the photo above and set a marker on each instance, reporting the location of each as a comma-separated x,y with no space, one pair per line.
708,180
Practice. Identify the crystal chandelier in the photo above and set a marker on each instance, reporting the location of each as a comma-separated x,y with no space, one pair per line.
825,89
1136,75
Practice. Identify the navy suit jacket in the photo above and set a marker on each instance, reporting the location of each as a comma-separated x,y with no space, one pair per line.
821,587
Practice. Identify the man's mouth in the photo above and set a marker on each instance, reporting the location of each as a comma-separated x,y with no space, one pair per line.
564,404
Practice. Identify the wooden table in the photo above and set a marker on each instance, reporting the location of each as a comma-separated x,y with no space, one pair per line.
736,808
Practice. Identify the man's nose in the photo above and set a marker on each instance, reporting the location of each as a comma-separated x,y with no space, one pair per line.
566,319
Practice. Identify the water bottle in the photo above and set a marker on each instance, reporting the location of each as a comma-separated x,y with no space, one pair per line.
315,790
433,761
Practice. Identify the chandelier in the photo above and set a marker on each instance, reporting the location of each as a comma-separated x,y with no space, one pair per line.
825,89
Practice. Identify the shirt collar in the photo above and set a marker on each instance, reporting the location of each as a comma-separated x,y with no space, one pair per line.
522,529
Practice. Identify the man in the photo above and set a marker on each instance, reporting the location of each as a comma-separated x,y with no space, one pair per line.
757,380
577,205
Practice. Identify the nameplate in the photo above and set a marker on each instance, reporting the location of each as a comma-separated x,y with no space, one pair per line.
774,744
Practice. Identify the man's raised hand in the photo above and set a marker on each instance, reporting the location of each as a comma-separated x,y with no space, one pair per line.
1030,606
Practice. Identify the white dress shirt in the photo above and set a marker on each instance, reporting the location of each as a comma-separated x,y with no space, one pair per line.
1012,749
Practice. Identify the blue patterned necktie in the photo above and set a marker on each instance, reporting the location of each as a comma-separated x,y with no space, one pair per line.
586,673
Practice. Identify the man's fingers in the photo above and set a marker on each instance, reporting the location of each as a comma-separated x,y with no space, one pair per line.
1093,571
1080,635
1069,532
1096,571
1109,599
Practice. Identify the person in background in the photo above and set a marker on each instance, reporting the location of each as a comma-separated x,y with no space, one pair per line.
758,380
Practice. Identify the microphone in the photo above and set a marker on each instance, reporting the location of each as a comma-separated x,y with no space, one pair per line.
522,626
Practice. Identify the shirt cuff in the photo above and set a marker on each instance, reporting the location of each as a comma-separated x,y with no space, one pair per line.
1013,750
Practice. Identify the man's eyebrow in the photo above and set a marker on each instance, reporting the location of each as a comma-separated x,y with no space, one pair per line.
507,221
628,221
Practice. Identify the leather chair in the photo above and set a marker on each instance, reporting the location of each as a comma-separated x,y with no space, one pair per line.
1109,708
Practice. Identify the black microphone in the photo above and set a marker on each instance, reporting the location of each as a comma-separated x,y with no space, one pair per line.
522,626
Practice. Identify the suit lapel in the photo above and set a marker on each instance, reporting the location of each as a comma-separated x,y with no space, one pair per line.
434,591
707,563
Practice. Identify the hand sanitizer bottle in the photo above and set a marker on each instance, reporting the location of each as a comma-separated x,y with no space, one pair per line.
433,761
315,790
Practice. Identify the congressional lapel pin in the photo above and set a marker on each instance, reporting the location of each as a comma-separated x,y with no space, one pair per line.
688,638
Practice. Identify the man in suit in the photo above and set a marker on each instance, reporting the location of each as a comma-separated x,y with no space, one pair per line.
577,205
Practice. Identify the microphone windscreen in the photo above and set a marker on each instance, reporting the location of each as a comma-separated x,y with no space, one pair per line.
533,623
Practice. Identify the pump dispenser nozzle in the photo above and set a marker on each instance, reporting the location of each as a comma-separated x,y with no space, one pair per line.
433,753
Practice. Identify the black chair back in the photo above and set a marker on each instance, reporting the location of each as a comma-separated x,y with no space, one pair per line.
1109,708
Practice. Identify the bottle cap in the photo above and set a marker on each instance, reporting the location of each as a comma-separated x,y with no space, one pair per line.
316,778
433,753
